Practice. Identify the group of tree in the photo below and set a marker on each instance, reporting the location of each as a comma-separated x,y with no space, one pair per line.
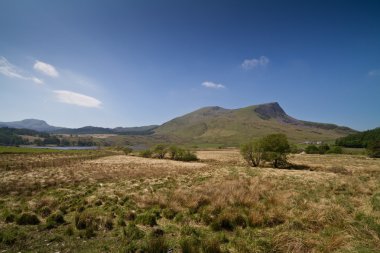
172,152
15,137
323,149
360,140
369,139
272,148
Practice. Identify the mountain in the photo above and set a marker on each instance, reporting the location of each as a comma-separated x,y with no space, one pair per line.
209,125
234,126
33,124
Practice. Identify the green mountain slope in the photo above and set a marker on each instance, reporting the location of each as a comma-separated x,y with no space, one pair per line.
234,126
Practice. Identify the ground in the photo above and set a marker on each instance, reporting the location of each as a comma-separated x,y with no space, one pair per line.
110,202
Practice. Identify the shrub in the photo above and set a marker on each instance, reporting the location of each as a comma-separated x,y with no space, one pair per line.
312,149
335,150
252,152
173,152
127,150
160,151
146,153
186,156
28,219
323,149
276,148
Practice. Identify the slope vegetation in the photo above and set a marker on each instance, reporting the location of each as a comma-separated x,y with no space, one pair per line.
233,126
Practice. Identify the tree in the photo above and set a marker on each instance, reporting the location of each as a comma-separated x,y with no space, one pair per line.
275,147
252,152
160,151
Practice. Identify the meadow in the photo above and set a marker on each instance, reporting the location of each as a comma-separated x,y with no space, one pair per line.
105,201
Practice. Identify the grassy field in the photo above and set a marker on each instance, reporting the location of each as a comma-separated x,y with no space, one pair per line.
109,202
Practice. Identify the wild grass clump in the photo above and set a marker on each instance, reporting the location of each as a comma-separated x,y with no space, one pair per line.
45,211
156,245
147,218
229,221
28,219
189,245
132,232
375,201
9,216
210,246
54,220
10,235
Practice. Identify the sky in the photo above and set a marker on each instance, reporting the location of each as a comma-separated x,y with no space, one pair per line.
125,63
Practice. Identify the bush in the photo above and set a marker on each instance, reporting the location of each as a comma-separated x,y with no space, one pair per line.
186,156
127,150
160,151
323,149
312,149
28,219
146,153
335,150
276,148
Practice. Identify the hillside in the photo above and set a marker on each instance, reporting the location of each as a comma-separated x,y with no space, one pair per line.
234,126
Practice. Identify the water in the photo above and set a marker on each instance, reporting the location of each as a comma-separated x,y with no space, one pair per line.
65,148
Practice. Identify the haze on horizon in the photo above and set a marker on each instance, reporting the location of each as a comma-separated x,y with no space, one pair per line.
133,63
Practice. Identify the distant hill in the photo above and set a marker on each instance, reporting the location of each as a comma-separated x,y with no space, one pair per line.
234,126
359,140
144,130
32,124
208,125
42,126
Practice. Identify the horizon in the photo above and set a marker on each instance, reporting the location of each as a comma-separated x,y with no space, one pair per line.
138,63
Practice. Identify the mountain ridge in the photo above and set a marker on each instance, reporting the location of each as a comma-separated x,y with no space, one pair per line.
214,124
233,126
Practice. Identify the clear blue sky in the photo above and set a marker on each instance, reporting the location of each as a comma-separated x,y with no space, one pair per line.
129,63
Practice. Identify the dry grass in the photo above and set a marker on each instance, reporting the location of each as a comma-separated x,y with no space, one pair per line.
332,207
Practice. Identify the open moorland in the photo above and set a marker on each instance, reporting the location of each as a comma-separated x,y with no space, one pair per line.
105,201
